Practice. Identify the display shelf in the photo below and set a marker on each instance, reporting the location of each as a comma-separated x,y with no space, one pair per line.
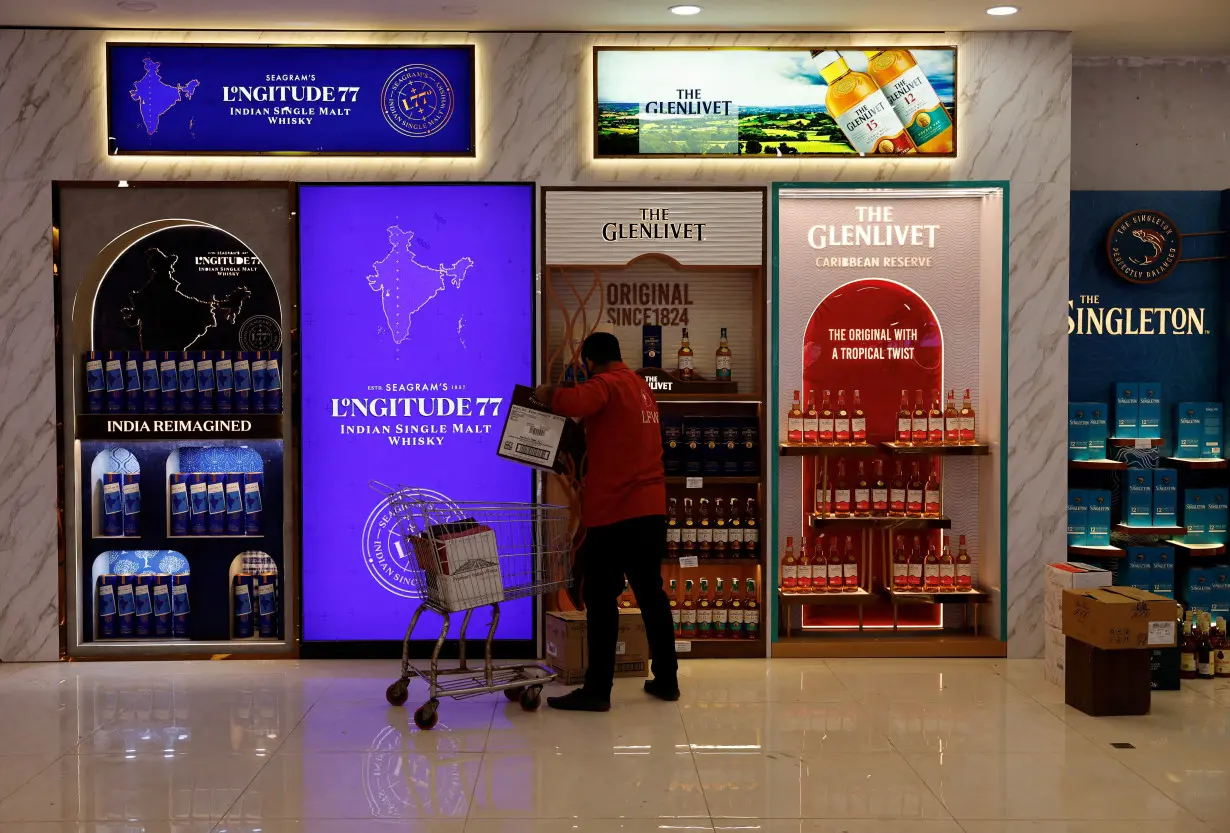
1195,463
801,450
1149,531
699,398
185,648
821,521
843,599
664,383
720,479
1198,550
722,561
1098,465
972,449
955,597
1135,442
883,644
719,648
179,427
1096,552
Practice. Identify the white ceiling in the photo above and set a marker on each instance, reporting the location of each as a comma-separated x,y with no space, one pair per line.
1101,27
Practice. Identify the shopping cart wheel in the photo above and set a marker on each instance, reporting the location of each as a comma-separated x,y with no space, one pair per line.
514,694
397,693
531,698
426,715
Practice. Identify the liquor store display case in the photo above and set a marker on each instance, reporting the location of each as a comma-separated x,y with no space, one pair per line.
889,423
176,403
679,276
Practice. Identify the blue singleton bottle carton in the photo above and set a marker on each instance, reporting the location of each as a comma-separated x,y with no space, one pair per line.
242,400
215,488
1096,445
151,381
224,381
253,509
1165,497
180,508
1195,516
132,382
112,504
1127,410
1163,571
1078,517
1078,431
1099,518
1135,569
1210,440
168,372
198,504
95,382
1189,428
1217,512
132,505
1150,409
187,384
204,381
234,504
1138,501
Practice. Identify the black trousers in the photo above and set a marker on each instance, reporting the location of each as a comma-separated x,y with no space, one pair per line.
633,548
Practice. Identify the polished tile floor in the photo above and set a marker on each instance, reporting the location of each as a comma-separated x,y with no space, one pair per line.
788,746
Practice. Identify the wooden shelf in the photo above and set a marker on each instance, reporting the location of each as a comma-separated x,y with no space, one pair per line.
1198,550
1134,442
735,398
1149,531
1195,463
800,450
187,427
825,599
1096,552
718,479
972,449
821,521
956,597
887,644
1098,465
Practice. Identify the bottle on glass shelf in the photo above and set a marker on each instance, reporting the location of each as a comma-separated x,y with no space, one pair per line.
858,421
723,359
721,612
819,567
735,534
1187,648
965,567
687,362
952,420
935,421
914,495
905,420
1221,660
626,600
828,420
751,530
849,567
704,530
918,420
688,534
862,492
721,532
751,611
1204,650
901,565
896,494
948,568
841,492
674,533
931,494
931,569
811,420
734,619
915,578
967,420
687,615
794,421
790,568
879,492
824,498
804,583
676,611
841,423
837,580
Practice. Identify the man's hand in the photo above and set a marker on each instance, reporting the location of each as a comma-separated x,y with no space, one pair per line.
544,393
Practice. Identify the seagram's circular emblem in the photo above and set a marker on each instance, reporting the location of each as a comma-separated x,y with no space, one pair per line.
389,559
1144,246
417,100
260,332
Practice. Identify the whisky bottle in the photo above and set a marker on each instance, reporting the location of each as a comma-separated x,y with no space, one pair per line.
965,567
803,569
905,420
674,534
625,599
931,494
896,495
948,568
967,420
688,616
862,492
751,611
914,495
721,532
841,423
704,612
1221,660
723,361
915,577
721,613
704,531
1204,650
751,530
1187,648
676,618
734,619
841,492
735,535
918,421
901,565
952,420
811,420
827,421
849,567
931,570
912,98
794,421
688,534
790,568
879,492
935,421
858,422
837,580
861,110
687,367
819,568
824,498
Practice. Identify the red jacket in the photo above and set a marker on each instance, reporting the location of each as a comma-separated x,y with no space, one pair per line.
623,437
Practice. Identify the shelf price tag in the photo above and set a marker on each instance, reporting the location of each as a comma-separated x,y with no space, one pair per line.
689,561
696,483
1144,443
683,646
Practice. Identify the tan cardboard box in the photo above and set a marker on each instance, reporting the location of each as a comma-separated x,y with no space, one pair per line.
565,640
1063,576
1055,655
1120,618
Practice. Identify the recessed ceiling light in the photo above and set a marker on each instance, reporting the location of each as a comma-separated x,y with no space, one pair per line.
1002,11
136,6
685,10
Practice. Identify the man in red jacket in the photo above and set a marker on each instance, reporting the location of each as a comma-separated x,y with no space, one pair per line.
624,509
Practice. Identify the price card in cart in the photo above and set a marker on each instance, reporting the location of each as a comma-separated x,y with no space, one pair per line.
532,434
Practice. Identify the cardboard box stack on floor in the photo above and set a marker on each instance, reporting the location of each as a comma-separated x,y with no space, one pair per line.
567,652
1061,577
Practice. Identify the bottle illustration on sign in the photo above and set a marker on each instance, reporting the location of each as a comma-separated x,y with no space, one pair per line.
912,98
861,108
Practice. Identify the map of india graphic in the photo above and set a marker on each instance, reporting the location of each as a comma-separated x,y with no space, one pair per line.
406,285
156,96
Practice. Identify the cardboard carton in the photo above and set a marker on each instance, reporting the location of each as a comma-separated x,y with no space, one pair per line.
1055,655
1063,576
566,633
1120,618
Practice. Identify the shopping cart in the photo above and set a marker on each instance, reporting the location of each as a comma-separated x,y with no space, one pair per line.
463,556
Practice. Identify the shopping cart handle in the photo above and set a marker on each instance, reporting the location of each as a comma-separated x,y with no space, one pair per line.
382,488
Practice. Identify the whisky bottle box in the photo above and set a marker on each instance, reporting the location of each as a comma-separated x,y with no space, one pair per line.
1138,500
1135,569
132,504
1218,514
1197,588
95,381
1127,410
1162,562
1099,518
1078,517
651,346
1078,431
1210,442
1096,443
1196,516
1149,410
1189,422
114,373
672,445
132,382
1165,497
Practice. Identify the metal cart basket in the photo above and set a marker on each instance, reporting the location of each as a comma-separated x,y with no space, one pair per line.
463,556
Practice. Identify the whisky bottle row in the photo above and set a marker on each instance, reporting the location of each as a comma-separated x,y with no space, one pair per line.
872,496
931,573
917,424
722,361
726,614
838,572
1204,647
713,529
912,571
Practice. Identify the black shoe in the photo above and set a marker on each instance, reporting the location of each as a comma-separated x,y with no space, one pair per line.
659,689
579,700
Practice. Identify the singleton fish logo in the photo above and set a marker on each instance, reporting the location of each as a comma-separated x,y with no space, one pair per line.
1153,239
1144,246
